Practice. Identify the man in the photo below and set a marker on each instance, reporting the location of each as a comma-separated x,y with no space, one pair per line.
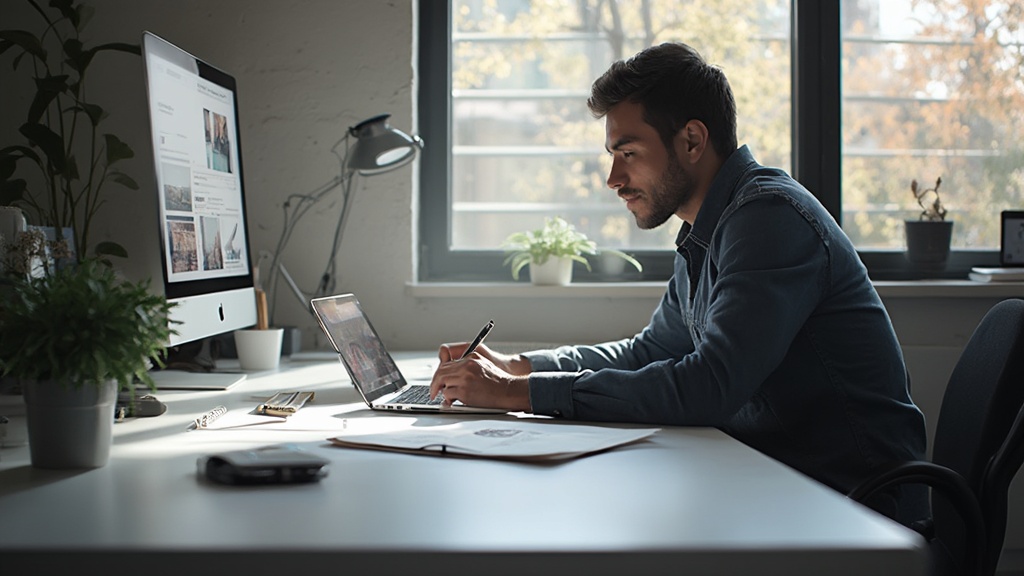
770,328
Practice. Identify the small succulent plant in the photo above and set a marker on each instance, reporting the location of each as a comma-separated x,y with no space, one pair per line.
932,209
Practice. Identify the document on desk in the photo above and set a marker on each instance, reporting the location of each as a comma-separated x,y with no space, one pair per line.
310,418
507,440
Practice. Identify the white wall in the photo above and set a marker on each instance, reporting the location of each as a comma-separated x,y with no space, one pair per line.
307,70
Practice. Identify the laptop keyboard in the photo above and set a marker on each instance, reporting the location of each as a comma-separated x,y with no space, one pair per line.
417,395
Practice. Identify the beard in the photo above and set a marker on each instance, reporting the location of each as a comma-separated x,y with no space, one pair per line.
671,191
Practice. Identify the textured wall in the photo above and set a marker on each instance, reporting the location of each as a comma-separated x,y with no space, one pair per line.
307,70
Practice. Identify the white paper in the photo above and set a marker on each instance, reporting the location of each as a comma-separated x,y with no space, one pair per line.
496,439
327,418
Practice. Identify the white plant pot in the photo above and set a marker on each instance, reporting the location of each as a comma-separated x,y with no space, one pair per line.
554,272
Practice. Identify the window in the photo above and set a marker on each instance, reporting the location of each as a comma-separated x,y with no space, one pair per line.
518,141
931,89
510,140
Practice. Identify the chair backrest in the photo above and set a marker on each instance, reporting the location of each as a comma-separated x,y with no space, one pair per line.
982,401
996,487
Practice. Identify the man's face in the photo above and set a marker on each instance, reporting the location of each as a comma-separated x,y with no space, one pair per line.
645,174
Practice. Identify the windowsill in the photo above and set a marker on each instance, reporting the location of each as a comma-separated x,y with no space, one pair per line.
948,289
654,290
526,290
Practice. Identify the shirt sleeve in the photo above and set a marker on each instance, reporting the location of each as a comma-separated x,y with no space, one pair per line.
767,267
666,336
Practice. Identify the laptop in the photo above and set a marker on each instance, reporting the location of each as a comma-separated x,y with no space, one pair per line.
371,368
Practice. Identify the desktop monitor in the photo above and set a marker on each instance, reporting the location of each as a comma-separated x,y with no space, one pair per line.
206,263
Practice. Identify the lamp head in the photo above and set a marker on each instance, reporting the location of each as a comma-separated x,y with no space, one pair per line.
379,147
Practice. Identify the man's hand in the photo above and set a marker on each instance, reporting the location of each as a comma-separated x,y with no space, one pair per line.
484,378
514,364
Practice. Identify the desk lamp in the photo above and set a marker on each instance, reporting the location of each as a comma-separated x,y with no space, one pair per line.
378,148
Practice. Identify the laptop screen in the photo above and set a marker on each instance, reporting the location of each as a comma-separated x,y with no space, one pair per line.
371,367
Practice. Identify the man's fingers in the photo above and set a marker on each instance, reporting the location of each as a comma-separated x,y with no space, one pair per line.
437,381
444,353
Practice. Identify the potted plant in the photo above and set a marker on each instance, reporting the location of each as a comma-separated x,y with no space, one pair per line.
551,250
62,140
72,336
71,331
929,236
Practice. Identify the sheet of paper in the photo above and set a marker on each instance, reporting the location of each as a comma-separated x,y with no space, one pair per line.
495,439
328,418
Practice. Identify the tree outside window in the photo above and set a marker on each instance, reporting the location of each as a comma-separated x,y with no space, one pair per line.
929,88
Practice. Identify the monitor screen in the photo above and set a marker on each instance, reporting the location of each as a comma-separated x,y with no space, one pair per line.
207,267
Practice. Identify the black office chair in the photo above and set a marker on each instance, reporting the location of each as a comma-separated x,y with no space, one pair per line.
978,448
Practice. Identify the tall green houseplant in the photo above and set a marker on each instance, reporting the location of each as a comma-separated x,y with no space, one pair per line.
74,332
61,138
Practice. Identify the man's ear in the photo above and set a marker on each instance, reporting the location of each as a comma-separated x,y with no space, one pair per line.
691,141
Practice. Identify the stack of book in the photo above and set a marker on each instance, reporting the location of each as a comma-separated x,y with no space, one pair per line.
980,274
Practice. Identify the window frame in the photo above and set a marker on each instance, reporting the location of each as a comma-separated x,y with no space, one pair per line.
816,43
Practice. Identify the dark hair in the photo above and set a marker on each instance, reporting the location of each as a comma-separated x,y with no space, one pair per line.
674,84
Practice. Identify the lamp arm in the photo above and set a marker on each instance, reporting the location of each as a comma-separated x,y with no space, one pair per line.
292,216
328,279
303,202
367,160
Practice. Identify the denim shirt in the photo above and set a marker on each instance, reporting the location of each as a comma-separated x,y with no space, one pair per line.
770,330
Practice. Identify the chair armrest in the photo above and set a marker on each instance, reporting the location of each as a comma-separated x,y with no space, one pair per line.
948,482
999,473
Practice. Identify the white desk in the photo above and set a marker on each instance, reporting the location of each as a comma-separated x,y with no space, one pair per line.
687,501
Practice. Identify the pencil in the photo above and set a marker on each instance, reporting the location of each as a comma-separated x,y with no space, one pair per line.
262,322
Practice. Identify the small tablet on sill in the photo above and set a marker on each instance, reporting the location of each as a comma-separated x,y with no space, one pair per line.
1011,234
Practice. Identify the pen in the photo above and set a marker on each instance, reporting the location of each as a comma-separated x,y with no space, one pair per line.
207,418
479,338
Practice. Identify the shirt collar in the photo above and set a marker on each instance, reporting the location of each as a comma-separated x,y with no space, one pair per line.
718,197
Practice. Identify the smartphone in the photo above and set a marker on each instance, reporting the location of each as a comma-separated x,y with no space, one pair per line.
278,464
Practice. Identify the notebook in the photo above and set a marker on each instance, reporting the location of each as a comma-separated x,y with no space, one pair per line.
371,368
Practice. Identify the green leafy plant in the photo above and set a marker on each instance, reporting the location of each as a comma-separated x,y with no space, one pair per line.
82,324
63,140
557,239
928,199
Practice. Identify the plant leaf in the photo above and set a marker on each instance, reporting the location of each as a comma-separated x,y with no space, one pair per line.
124,180
17,60
26,40
72,169
46,90
116,149
85,14
632,261
8,162
17,151
579,259
48,141
77,58
110,249
12,191
95,113
66,10
119,47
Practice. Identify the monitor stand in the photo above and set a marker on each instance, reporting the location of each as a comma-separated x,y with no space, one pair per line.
193,366
182,380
